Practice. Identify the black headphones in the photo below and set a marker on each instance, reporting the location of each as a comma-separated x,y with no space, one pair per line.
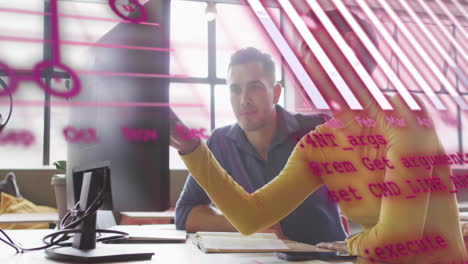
3,124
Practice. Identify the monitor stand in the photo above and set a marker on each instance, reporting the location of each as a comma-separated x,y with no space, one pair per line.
83,249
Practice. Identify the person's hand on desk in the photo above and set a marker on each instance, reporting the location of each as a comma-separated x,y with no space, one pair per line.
464,227
183,145
336,245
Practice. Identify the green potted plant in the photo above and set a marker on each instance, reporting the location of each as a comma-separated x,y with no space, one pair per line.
61,166
59,184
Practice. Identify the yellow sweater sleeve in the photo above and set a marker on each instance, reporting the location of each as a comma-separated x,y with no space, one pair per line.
401,218
14,205
250,213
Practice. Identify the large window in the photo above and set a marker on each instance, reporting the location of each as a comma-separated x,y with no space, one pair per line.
450,124
201,51
189,39
82,33
21,145
192,38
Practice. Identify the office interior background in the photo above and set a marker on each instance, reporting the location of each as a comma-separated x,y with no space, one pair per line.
202,40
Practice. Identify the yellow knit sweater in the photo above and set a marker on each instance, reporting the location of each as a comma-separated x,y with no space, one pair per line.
352,160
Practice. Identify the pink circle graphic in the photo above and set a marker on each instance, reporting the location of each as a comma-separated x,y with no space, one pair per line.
76,84
13,83
142,18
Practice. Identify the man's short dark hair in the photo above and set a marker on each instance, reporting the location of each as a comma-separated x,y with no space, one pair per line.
343,27
251,54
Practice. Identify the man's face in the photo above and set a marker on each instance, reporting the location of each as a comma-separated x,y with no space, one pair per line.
253,95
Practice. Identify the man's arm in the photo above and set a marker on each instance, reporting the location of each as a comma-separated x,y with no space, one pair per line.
194,213
188,198
254,212
193,209
206,218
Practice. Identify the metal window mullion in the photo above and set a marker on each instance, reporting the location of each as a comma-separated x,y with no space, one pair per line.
283,62
212,69
457,87
47,55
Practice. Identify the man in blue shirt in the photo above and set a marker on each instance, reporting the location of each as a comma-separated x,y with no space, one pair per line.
259,145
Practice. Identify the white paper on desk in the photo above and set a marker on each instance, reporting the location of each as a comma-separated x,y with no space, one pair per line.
148,232
217,242
236,234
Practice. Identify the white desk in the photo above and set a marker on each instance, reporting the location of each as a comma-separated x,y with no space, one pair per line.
164,253
29,218
145,218
167,215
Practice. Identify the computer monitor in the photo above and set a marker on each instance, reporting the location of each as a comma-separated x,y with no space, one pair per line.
120,131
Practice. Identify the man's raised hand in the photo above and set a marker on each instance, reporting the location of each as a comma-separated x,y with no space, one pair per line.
183,143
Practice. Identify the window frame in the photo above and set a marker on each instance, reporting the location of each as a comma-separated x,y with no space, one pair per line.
211,79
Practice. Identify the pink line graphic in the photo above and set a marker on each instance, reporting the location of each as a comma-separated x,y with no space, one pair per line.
44,65
80,43
20,11
288,54
452,17
416,45
444,53
315,48
76,85
382,62
461,29
404,59
99,104
130,74
354,61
